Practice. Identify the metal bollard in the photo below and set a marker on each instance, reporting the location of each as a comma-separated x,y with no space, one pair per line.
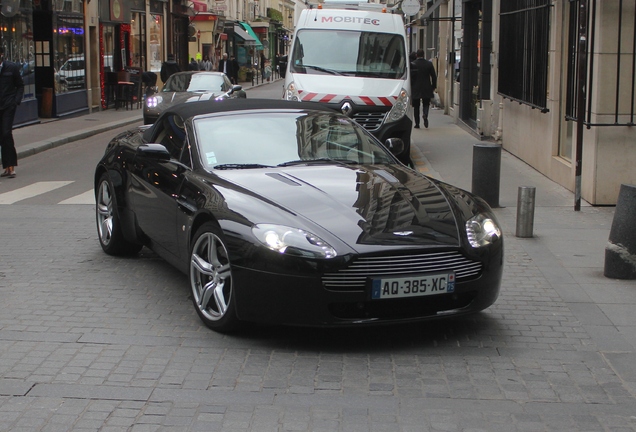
486,172
620,252
525,211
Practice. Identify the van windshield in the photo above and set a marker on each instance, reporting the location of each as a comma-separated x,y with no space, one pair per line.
360,54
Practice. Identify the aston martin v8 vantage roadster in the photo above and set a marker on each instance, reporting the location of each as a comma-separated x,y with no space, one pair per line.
291,213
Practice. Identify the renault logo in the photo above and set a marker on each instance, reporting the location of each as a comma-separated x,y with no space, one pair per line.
346,109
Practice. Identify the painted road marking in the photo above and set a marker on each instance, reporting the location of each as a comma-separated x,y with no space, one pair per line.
31,191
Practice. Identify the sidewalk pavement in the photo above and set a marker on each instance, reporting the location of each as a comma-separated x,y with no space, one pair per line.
567,248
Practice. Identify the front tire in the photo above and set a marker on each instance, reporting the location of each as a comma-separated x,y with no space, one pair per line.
109,230
211,280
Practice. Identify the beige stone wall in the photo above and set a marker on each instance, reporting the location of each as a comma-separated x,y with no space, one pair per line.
615,162
612,149
609,152
527,134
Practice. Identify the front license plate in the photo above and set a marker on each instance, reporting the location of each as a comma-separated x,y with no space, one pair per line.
413,286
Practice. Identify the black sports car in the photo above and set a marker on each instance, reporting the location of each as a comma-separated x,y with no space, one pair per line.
287,212
188,87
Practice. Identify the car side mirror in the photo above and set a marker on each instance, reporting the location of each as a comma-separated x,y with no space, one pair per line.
154,151
395,145
236,88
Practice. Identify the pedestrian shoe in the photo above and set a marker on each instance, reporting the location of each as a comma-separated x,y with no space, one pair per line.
426,123
416,126
6,174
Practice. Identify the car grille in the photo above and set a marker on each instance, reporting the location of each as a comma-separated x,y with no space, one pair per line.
371,121
354,277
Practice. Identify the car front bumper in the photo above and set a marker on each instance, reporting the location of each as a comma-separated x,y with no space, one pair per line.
296,300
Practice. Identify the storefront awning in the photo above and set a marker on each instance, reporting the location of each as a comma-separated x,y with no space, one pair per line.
238,31
248,28
199,6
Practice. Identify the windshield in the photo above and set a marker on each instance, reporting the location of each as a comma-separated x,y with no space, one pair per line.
251,140
362,54
197,83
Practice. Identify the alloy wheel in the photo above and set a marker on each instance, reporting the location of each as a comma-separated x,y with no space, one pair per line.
211,276
104,213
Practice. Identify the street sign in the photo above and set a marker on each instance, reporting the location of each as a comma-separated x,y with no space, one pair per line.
411,7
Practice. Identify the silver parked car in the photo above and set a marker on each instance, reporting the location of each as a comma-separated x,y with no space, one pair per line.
187,87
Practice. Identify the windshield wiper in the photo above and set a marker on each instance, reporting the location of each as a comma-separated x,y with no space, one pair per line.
239,166
321,69
318,161
373,74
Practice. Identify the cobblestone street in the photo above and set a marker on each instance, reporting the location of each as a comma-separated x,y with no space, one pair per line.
89,342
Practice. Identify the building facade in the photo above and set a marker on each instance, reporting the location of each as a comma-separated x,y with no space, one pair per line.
552,80
70,49
254,32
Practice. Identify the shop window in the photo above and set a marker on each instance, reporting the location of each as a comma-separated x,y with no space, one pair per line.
16,36
138,39
73,6
108,40
523,52
155,32
70,63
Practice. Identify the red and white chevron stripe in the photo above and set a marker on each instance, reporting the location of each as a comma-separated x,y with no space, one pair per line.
358,100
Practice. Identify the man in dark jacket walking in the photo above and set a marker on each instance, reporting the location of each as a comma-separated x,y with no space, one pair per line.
11,92
235,70
225,66
423,83
168,68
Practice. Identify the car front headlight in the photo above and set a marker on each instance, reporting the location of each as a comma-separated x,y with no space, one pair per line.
153,101
292,241
400,108
291,94
482,230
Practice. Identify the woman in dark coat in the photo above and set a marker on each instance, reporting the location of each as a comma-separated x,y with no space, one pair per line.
11,92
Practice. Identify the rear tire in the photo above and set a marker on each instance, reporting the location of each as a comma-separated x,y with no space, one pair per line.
211,280
109,230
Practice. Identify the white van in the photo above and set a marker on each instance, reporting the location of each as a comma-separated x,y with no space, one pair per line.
358,61
72,73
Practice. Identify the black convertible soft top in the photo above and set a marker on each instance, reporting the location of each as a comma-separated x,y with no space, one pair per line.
188,110
191,109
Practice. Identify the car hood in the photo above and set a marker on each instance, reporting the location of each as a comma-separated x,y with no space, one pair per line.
383,205
340,87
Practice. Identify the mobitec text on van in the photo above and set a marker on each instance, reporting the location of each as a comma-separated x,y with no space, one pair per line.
356,60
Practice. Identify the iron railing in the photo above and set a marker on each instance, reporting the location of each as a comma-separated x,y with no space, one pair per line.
625,86
523,51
